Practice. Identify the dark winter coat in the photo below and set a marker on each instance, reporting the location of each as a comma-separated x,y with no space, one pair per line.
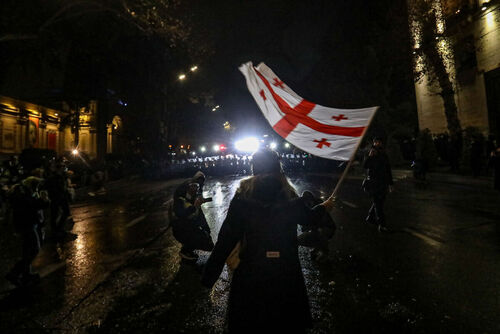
495,160
379,174
188,222
27,208
57,187
267,289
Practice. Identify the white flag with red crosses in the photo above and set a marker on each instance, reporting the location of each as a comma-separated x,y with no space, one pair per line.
325,132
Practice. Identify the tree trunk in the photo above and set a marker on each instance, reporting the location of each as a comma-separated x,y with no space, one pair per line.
447,92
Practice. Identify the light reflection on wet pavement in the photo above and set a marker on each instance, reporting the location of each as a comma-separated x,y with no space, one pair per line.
123,272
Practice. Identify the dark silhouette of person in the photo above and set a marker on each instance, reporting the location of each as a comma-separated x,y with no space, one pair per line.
268,293
378,183
495,162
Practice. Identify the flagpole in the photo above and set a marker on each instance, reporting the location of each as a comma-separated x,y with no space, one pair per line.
346,169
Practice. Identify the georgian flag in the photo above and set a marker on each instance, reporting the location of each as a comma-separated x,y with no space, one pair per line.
325,132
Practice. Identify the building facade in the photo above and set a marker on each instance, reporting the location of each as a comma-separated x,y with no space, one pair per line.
469,41
28,125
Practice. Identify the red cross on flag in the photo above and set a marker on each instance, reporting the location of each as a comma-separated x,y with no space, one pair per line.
325,132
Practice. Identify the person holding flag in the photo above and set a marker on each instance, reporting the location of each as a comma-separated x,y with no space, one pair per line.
268,293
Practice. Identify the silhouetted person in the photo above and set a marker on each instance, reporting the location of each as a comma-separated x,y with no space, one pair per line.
490,150
189,224
317,237
56,184
378,183
27,215
268,294
476,157
495,161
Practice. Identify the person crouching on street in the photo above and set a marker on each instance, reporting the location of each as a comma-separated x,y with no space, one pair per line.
189,224
317,237
27,204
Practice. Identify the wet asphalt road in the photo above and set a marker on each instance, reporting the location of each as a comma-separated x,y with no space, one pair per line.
437,271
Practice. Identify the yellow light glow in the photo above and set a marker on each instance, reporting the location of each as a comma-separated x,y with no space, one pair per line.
438,10
490,19
182,77
194,68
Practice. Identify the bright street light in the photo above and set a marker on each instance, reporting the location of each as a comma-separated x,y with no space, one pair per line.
273,145
203,148
182,77
194,68
216,148
287,145
75,151
247,145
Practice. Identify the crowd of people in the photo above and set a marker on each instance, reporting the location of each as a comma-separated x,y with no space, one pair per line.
233,164
32,200
259,243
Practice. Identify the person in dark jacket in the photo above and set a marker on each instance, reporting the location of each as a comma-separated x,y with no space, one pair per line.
317,237
198,178
267,293
56,184
378,183
495,161
27,215
188,221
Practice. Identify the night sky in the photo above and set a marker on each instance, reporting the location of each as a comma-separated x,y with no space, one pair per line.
345,54
330,52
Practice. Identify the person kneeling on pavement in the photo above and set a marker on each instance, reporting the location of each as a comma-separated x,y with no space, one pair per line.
317,236
189,225
27,212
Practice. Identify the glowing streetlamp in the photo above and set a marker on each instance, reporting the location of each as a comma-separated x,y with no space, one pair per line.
203,148
216,148
182,77
194,68
273,145
247,145
75,152
287,145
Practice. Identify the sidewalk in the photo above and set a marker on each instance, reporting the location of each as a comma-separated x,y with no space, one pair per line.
481,181
437,271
